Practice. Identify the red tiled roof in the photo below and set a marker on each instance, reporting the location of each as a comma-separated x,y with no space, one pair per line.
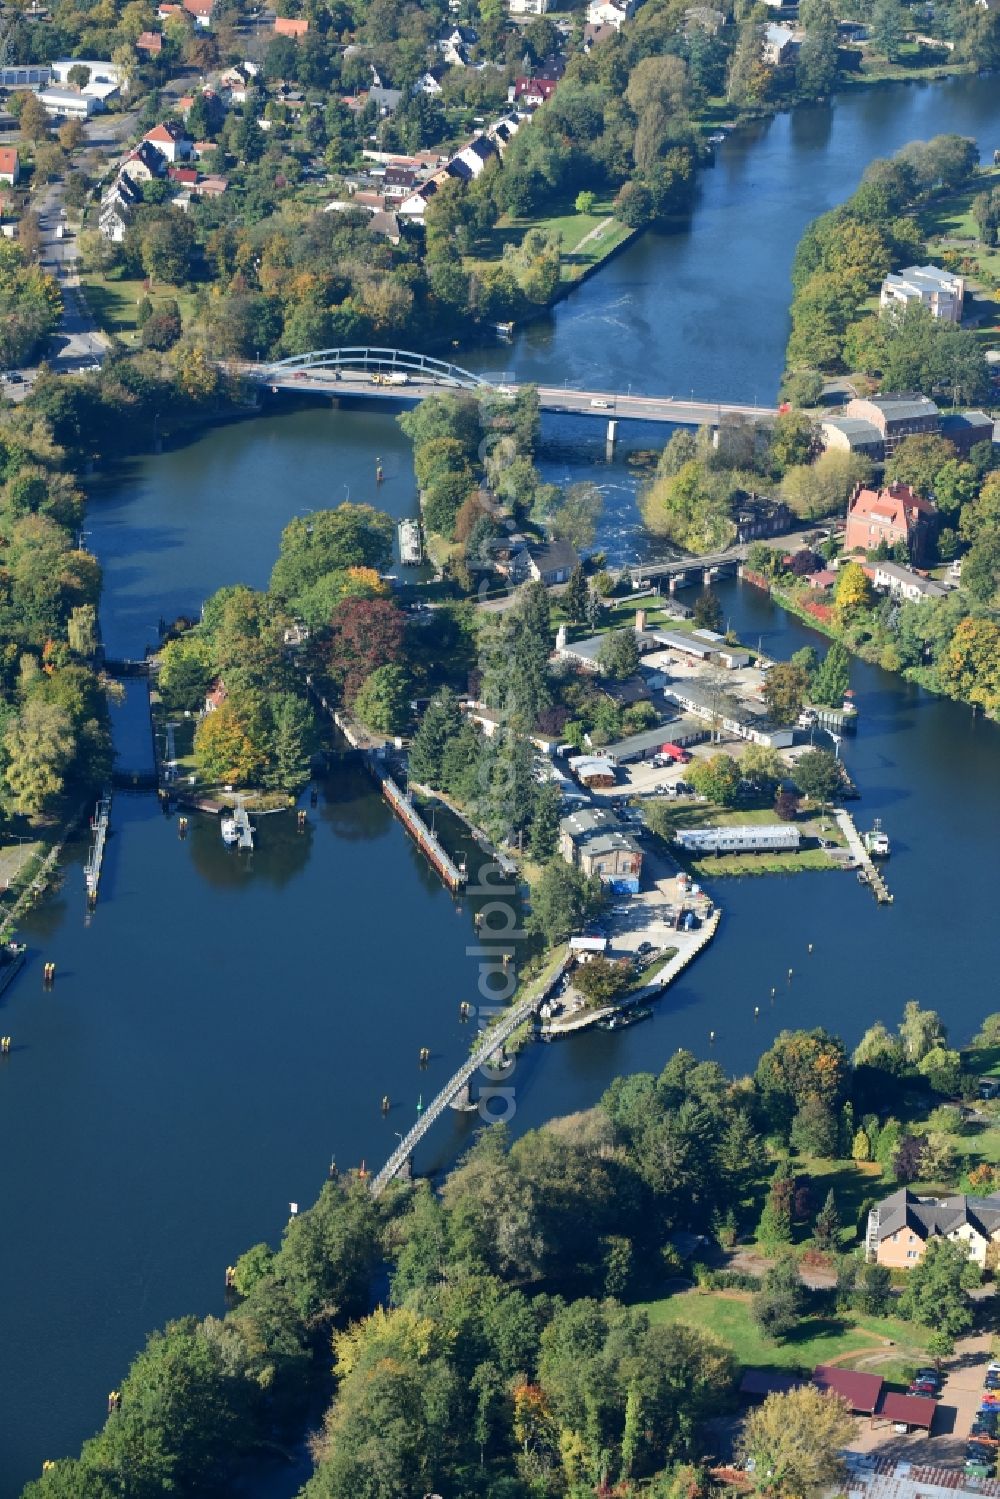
861,1391
8,160
896,498
198,7
290,26
149,41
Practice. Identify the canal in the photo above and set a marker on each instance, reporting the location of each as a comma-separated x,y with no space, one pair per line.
220,1027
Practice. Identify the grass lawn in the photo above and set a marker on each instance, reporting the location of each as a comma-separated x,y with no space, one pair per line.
702,814
114,303
817,1340
853,1182
572,228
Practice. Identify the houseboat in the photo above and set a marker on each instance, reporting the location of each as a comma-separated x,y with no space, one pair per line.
877,842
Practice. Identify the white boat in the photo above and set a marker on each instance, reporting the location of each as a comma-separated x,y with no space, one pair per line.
877,842
230,832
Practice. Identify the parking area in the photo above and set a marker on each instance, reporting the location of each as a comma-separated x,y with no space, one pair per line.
957,1410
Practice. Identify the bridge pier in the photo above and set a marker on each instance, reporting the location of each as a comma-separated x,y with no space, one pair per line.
612,433
674,581
708,574
405,1172
462,1102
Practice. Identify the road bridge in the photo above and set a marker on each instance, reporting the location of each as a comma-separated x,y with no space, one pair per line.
368,373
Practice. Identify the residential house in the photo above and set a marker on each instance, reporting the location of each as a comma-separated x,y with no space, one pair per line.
941,292
902,1225
170,140
143,164
292,26
594,840
610,13
211,186
386,100
200,11
545,562
593,35
183,176
894,515
385,226
503,131
399,182
471,161
238,81
428,83
592,770
903,582
118,207
10,165
150,42
703,18
527,7
781,45
216,696
531,92
166,10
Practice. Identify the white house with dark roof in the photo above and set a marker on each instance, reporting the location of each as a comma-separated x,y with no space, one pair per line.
545,562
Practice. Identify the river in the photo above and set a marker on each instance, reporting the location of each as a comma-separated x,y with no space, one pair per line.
219,1028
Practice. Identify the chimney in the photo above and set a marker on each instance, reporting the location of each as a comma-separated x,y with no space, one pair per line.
640,619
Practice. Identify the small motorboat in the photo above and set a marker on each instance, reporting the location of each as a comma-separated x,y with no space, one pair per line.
229,830
626,1017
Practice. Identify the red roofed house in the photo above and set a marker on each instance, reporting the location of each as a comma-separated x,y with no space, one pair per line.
534,91
10,165
149,41
186,175
894,514
201,10
290,26
169,139
212,187
217,694
164,12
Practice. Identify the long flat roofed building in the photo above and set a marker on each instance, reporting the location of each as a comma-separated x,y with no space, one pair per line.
752,838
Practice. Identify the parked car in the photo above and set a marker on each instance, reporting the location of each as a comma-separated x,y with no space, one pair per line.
644,947
925,1387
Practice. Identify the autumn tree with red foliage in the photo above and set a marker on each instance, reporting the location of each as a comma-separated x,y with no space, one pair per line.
365,634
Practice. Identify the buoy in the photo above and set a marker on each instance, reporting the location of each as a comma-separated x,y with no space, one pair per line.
378,471
385,1103
465,1009
332,1169
773,993
756,1011
293,1208
711,1035
810,947
790,972
230,1277
4,1044
420,1104
362,1173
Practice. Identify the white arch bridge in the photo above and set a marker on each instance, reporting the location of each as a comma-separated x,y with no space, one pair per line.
369,373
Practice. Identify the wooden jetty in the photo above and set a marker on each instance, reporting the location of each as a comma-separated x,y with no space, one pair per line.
244,832
871,874
453,876
95,859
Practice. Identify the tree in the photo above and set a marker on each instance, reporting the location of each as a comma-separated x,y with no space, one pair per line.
574,599
888,28
167,246
937,1288
920,1031
327,541
918,460
775,1226
441,722
562,900
777,1307
717,778
785,688
763,767
364,635
602,980
383,700
818,775
224,750
942,1069
815,1128
970,667
873,1290
34,121
853,595
708,610
791,1444
618,655
833,677
40,744
816,66
575,518
585,201
78,76
826,1231
186,672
